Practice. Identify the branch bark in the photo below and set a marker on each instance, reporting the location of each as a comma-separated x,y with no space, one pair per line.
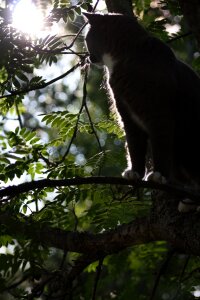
164,223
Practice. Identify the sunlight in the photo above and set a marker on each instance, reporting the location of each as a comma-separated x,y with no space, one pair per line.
101,5
196,293
27,18
172,29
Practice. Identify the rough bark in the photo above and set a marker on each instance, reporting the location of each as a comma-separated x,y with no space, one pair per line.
163,223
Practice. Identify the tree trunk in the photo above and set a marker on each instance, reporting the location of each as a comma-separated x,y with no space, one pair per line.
190,9
120,6
191,12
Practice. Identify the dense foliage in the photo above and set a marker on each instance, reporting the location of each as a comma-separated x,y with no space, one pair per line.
55,125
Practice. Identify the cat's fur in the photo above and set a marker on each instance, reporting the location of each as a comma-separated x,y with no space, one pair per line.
156,95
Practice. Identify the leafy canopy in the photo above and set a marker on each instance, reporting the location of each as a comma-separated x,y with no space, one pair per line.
56,124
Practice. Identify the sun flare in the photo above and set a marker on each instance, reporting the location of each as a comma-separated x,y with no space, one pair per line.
27,18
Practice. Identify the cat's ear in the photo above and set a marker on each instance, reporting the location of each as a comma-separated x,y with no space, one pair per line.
92,18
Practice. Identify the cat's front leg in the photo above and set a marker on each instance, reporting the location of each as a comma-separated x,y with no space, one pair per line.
129,172
136,151
162,152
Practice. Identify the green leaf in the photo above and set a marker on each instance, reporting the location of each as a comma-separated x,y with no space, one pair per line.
78,10
24,208
71,15
4,160
5,240
16,82
22,76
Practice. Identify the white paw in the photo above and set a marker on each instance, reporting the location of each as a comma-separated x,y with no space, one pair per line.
156,177
130,174
187,205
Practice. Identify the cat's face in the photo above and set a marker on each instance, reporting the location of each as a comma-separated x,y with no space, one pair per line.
94,38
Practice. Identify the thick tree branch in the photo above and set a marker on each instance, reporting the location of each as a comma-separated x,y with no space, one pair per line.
105,243
164,223
108,242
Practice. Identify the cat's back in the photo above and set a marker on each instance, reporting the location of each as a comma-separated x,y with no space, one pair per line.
123,35
143,63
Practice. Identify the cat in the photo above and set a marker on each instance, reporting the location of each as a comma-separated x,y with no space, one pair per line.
156,95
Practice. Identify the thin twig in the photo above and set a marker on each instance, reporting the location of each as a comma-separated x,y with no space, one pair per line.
63,260
83,105
18,115
76,220
181,276
41,86
87,110
76,37
92,127
178,37
161,272
95,6
81,29
75,131
97,277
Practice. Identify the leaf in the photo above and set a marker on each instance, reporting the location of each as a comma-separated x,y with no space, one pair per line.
24,208
36,80
84,6
5,240
27,68
35,168
71,15
34,140
16,82
22,76
78,10
56,41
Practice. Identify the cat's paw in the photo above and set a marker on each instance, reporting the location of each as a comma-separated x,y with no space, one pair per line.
187,205
156,177
130,174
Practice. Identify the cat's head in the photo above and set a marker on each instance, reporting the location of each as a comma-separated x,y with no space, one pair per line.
111,34
95,37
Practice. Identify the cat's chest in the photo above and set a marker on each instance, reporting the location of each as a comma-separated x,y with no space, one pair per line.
122,93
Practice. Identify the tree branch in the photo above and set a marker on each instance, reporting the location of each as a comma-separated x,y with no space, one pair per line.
104,243
164,223
15,190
